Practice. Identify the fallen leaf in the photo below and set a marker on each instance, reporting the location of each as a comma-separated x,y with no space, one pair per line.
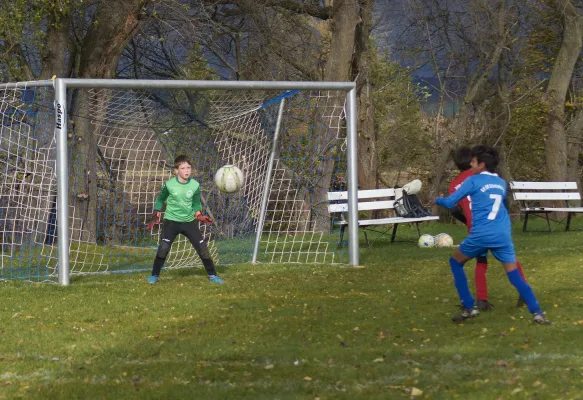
377,360
416,392
536,384
269,366
307,378
501,363
517,390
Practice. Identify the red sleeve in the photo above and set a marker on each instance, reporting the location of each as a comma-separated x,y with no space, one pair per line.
464,203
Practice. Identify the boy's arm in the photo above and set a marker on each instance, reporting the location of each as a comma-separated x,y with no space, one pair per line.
158,204
162,196
196,204
197,208
455,197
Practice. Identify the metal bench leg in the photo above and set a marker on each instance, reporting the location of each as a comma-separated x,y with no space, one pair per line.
568,221
525,222
366,238
395,226
342,228
418,230
548,222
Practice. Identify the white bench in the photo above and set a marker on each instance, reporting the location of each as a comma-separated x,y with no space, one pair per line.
368,200
534,195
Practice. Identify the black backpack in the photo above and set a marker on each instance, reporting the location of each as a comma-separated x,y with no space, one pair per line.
409,206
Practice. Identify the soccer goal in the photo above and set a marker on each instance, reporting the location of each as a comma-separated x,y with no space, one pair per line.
95,153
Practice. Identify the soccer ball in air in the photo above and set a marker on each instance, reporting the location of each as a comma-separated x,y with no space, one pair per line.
426,241
443,240
229,179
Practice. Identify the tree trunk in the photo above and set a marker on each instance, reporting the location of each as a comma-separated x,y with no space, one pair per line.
367,150
344,20
574,148
556,140
114,23
56,45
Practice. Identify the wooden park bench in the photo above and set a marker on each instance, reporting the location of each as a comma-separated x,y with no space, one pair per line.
541,198
369,200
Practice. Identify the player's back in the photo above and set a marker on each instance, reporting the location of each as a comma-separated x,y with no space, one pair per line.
489,213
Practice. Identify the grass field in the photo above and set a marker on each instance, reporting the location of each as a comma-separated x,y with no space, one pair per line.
301,331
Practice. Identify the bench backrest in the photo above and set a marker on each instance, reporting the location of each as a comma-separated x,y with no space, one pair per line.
374,199
541,191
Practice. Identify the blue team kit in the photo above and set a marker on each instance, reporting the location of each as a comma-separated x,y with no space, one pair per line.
491,227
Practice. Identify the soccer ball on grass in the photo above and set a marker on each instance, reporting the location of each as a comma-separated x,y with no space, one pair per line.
443,240
426,240
229,179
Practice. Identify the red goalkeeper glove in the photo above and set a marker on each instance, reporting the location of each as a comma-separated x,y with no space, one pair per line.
204,219
154,220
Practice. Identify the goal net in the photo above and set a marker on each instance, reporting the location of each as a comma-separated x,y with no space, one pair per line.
121,147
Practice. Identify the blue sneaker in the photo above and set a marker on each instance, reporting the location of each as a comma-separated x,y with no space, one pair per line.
216,279
152,279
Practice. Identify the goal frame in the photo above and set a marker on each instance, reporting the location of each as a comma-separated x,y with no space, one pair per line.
61,85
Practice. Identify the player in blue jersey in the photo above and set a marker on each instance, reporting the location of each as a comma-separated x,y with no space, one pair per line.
491,230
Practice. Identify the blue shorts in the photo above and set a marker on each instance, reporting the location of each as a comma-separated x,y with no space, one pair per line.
502,250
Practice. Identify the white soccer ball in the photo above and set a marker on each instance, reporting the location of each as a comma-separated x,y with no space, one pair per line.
229,179
426,240
443,240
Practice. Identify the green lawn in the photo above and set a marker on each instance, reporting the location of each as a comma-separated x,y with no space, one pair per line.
301,331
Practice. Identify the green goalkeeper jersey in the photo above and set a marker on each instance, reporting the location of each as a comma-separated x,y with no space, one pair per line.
182,200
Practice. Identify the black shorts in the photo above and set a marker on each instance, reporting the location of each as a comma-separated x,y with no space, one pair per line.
171,229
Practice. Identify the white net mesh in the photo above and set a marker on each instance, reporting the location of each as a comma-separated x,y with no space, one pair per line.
122,145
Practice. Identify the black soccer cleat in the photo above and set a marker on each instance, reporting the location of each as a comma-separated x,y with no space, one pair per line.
466,313
485,305
520,302
540,319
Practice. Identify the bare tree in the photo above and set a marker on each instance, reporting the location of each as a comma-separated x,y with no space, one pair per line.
571,45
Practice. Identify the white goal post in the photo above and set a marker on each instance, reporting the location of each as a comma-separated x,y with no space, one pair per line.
344,118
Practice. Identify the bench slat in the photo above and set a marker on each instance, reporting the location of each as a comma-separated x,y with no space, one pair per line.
552,209
391,220
546,196
364,206
516,185
363,194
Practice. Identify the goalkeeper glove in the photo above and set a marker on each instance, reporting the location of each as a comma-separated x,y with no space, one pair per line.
204,219
154,220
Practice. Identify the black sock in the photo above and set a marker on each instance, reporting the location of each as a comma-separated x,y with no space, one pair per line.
158,264
209,265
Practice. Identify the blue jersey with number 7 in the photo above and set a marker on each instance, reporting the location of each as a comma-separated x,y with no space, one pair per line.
487,192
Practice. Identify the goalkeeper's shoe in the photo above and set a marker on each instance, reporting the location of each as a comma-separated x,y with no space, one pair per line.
216,279
520,302
484,305
466,313
540,319
152,279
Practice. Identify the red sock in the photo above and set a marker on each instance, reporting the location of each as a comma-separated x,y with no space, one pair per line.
519,267
481,283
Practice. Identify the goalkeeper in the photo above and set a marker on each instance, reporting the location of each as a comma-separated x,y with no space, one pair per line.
183,213
462,158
